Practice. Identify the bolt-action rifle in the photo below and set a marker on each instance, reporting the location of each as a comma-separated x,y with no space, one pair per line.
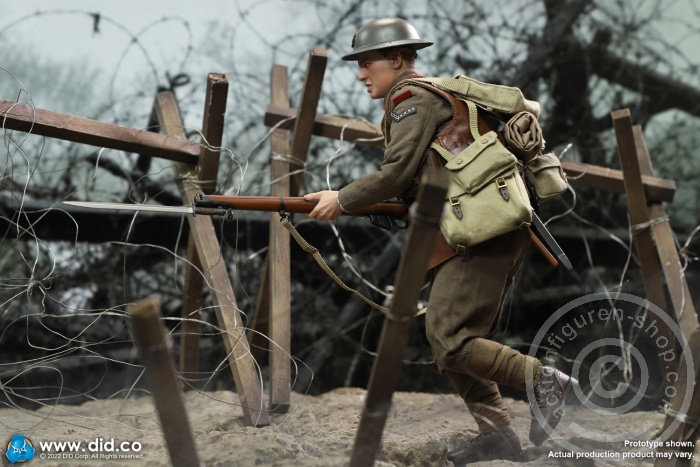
390,216
386,215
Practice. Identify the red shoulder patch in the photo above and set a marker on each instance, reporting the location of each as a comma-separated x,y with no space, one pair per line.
402,97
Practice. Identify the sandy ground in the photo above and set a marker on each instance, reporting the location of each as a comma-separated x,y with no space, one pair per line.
318,431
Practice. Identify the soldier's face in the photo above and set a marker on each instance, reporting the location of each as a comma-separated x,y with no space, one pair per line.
377,72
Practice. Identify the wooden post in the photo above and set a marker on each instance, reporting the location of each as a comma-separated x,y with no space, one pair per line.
276,295
666,248
207,169
639,215
216,276
687,428
156,354
279,95
656,241
212,130
308,103
395,332
278,262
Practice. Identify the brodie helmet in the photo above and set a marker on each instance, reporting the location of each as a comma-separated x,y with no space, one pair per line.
383,33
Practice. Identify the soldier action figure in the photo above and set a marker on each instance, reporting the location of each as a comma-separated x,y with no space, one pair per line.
467,290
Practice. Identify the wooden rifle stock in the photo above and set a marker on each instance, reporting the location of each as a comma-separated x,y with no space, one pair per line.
294,204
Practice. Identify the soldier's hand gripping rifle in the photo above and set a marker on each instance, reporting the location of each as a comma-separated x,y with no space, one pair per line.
386,215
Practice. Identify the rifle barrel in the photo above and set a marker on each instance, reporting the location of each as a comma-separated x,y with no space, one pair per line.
293,204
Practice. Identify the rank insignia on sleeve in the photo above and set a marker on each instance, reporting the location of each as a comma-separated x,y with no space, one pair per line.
398,117
402,97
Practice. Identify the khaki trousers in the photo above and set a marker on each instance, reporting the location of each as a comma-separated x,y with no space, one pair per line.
464,309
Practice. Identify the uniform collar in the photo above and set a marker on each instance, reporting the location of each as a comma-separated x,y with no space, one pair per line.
412,73
407,74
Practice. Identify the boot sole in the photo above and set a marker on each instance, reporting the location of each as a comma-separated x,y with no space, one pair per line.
541,435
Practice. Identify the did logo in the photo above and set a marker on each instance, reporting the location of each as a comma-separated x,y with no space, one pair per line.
19,449
625,353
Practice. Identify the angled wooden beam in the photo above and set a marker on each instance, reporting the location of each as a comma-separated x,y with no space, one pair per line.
207,245
328,126
171,126
308,104
20,117
665,242
683,413
638,211
259,331
241,361
168,116
603,178
152,341
212,130
208,166
639,216
410,278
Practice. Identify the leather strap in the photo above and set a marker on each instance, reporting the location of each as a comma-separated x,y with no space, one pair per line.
465,121
442,251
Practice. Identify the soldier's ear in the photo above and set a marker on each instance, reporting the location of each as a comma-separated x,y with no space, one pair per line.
396,59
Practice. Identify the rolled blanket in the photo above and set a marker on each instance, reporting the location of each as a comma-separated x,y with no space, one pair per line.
523,136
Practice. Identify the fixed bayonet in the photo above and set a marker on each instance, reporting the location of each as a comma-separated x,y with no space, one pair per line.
552,245
201,205
213,205
132,207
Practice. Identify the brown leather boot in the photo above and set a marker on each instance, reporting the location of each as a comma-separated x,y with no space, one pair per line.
550,395
490,445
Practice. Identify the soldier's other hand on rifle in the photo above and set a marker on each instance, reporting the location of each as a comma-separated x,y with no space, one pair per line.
328,207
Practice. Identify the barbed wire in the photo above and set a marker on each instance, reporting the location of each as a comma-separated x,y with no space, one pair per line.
58,312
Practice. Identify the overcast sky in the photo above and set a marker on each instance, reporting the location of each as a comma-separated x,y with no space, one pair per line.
165,28
134,43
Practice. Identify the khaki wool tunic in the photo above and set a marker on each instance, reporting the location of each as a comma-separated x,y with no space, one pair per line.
409,139
467,292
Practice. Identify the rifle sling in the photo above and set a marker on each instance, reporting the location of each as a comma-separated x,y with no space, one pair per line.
286,222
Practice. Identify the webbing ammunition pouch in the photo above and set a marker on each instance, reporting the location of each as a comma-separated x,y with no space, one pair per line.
487,196
543,172
546,177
